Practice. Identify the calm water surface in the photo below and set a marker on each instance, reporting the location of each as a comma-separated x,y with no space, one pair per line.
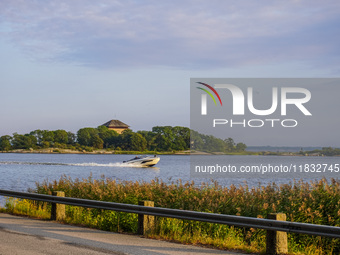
21,171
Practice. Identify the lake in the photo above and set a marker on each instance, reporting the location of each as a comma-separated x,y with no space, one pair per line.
19,171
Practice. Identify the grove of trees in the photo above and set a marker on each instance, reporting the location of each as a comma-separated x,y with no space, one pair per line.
160,138
210,143
327,151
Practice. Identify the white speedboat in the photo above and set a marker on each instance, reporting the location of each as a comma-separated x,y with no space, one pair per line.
143,161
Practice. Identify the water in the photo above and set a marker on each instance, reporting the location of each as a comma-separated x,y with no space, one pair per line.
261,170
20,172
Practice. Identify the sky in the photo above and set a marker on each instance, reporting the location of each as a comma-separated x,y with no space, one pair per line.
74,64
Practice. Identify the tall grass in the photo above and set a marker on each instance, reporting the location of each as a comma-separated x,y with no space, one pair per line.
315,202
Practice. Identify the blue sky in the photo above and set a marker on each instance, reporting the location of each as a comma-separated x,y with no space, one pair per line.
73,64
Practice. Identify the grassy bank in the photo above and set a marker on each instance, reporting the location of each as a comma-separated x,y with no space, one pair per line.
317,202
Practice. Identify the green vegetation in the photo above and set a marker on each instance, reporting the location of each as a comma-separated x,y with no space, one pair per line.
325,151
210,143
160,139
316,202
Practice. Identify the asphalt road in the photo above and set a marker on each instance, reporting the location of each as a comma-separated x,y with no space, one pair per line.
19,235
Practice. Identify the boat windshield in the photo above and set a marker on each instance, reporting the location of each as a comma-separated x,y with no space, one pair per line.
141,157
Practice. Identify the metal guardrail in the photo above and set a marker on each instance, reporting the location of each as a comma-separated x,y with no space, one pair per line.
239,221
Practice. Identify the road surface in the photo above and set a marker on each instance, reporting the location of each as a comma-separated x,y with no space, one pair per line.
20,235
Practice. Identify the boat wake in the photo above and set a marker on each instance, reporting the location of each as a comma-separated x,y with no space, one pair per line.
89,164
92,164
99,164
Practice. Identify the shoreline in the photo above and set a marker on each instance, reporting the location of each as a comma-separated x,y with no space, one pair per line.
101,151
186,152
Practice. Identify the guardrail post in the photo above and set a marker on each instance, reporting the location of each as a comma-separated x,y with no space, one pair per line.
276,242
58,210
146,223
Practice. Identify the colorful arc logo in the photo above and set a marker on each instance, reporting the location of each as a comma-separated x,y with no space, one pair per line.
209,93
204,97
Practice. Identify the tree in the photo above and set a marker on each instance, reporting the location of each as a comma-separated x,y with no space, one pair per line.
84,136
108,136
71,138
210,143
96,142
169,138
164,138
24,141
197,142
38,134
89,137
5,143
230,144
241,147
48,137
60,136
182,138
138,142
214,144
150,139
125,139
329,151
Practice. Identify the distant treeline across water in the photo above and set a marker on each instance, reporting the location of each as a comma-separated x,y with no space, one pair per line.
164,138
160,138
281,148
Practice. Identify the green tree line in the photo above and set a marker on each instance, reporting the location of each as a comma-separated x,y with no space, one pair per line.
327,151
160,138
209,143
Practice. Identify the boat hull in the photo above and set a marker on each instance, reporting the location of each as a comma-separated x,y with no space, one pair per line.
146,162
